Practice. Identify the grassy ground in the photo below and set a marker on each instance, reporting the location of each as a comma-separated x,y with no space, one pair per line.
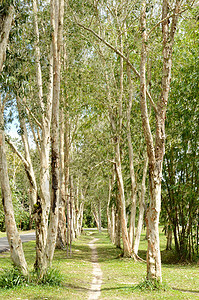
120,276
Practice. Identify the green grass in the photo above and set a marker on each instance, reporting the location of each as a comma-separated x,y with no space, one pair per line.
121,276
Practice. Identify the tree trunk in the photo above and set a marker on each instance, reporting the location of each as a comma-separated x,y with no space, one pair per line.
152,219
72,229
14,240
100,220
16,250
153,251
113,224
61,232
117,225
57,12
108,209
126,245
6,20
141,208
169,237
156,154
131,157
28,167
42,207
95,215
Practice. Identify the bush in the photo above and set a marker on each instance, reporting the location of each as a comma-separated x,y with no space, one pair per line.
150,285
52,278
11,278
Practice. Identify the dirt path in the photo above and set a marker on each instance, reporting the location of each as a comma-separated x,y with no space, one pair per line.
95,289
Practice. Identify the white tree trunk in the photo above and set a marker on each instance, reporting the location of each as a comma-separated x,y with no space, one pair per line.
141,208
42,207
14,240
28,167
61,233
113,224
125,239
5,27
131,157
57,14
152,220
72,230
117,225
156,154
108,209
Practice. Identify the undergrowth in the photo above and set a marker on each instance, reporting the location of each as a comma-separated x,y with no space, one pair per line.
10,278
150,285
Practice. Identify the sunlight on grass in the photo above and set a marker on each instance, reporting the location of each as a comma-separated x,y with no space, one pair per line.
120,275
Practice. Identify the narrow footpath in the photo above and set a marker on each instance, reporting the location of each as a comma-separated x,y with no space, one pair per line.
95,289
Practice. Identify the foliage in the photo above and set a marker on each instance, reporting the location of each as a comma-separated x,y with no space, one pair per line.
151,285
52,277
180,175
11,278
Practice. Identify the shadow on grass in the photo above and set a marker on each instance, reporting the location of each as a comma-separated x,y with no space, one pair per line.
75,287
185,291
79,252
168,257
120,288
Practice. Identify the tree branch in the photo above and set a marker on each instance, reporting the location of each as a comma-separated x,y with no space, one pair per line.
13,147
32,115
123,56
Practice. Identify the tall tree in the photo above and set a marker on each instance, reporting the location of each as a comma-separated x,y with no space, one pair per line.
17,254
156,151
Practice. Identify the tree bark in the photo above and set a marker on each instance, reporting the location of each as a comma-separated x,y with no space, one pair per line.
42,206
132,172
28,167
16,250
108,209
125,239
6,20
141,208
153,251
156,154
113,224
57,14
61,232
117,224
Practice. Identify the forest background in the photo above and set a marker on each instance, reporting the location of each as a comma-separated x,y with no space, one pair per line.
88,83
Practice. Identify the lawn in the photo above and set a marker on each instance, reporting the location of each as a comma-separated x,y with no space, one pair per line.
120,276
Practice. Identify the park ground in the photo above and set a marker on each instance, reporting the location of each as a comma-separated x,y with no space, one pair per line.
120,276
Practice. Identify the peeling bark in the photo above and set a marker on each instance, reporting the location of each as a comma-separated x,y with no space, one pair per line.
61,233
141,208
131,156
16,250
156,152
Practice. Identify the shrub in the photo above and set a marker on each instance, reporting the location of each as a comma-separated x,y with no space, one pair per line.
52,277
11,278
151,285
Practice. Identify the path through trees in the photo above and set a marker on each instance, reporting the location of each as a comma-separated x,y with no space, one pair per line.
97,273
89,84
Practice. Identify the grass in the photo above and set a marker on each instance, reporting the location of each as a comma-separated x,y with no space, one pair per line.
122,278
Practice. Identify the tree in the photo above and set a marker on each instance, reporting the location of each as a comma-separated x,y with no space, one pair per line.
180,192
17,254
